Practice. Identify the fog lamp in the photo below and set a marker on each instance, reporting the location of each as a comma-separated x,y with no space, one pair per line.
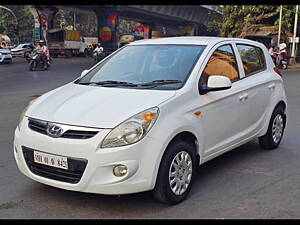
120,170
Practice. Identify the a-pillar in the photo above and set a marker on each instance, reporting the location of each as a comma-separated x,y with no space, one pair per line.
107,18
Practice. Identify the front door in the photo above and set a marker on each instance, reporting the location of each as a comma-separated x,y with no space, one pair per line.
222,111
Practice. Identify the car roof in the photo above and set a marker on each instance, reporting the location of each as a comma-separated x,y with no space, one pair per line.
190,40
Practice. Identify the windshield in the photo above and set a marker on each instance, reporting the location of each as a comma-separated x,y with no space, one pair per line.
21,46
146,66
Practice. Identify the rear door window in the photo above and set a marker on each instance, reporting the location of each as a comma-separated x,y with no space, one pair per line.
253,59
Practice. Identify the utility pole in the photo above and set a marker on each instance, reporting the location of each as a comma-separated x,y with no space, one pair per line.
279,29
293,55
74,28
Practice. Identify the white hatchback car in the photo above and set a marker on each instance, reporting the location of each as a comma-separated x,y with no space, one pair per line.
147,115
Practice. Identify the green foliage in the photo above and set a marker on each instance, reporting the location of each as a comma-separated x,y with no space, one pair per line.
237,19
25,22
85,23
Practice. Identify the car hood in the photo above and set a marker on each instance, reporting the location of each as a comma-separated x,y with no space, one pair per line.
94,106
17,49
4,51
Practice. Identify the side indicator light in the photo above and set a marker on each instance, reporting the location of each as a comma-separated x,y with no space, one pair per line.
197,113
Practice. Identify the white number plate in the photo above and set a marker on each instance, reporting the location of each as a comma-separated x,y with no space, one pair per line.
51,160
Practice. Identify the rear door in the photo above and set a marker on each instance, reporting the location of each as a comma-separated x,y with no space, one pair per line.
257,85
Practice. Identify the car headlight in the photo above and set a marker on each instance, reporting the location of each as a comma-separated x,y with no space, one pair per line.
23,113
131,130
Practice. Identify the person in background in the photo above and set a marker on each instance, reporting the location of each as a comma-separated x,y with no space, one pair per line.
44,53
273,50
37,46
98,48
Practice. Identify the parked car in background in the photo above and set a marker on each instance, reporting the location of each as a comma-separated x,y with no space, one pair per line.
11,45
5,56
20,50
149,114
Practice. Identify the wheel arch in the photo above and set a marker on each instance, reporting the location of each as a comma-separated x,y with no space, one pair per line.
184,135
280,103
188,137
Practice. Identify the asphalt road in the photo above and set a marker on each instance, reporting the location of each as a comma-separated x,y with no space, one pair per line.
247,182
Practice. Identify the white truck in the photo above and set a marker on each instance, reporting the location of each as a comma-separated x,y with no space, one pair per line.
66,42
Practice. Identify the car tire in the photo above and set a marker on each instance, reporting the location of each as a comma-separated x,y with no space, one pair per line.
85,53
276,127
68,54
165,190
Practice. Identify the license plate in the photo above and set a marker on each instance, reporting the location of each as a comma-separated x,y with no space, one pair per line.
51,160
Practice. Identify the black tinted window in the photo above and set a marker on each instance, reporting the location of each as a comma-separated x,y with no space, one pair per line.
252,58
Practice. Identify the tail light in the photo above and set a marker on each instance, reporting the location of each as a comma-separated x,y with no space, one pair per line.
276,70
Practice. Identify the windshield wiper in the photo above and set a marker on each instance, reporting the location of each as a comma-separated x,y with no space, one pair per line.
110,83
161,82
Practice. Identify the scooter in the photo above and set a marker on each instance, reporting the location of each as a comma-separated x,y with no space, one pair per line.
36,61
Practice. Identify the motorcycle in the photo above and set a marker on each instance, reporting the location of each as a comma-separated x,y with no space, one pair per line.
27,54
283,64
37,62
281,60
98,54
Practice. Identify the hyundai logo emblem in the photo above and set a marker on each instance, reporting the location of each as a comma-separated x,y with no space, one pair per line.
54,130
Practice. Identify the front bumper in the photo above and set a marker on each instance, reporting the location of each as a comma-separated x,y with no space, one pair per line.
19,53
140,158
5,58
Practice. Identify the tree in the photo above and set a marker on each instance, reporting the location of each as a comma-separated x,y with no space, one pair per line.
25,22
236,20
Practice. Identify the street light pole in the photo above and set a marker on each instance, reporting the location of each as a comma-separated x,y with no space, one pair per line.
293,55
279,30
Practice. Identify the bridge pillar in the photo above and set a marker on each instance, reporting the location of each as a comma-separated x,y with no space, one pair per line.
107,18
43,20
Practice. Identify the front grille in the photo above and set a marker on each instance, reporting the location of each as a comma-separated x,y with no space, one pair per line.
72,175
79,134
38,126
41,127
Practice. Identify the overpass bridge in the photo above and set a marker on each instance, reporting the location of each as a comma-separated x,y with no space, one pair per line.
191,18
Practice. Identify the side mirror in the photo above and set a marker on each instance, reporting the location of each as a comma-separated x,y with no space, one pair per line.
215,83
84,73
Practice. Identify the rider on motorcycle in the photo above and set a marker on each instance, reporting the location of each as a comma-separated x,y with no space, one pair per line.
43,50
98,48
98,52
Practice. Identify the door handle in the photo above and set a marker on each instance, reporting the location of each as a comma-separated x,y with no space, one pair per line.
271,87
243,97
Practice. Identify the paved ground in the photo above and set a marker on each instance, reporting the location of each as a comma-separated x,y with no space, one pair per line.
247,182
